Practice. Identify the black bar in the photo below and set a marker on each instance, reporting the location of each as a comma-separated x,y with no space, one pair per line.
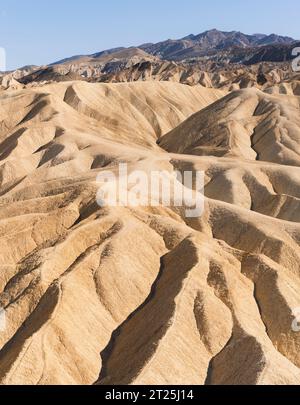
136,394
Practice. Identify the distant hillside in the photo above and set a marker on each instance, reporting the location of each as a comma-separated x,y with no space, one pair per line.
184,60
201,45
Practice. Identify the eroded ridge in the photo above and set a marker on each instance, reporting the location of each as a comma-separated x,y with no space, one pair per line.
121,295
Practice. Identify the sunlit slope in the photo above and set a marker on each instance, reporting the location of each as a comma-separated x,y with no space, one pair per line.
145,295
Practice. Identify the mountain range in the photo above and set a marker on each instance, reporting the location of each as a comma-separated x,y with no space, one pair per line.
211,41
213,59
205,44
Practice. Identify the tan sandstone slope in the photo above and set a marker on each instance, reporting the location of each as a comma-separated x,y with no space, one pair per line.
145,295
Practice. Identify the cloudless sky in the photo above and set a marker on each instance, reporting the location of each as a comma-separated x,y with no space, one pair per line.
43,31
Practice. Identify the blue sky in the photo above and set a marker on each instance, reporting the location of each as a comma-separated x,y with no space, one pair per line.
43,31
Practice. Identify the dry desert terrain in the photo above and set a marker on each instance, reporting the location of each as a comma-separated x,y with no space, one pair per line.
145,295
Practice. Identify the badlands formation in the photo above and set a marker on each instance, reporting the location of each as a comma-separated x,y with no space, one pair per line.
145,295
